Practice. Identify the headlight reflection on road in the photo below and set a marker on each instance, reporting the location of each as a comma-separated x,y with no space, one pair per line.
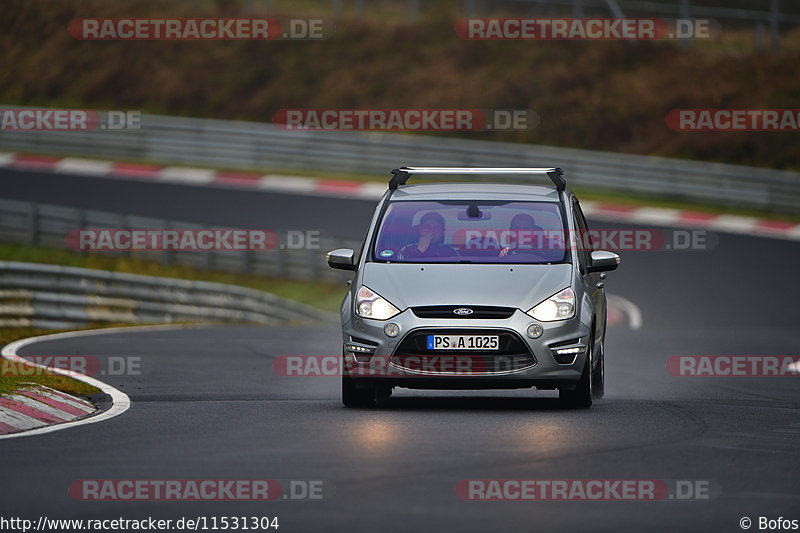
542,438
376,436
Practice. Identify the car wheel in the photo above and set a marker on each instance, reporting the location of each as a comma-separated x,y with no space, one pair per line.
581,396
353,396
599,374
356,397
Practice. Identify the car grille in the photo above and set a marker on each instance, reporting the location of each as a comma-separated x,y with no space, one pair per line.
478,311
413,355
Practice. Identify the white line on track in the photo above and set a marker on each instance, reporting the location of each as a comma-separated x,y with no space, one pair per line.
120,401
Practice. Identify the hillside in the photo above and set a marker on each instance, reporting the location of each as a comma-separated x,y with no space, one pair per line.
597,95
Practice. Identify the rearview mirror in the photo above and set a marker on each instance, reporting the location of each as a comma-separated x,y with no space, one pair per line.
341,258
603,261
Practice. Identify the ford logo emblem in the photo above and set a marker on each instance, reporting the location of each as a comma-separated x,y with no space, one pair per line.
462,311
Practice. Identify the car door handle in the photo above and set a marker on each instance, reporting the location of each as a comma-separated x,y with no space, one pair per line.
603,275
600,285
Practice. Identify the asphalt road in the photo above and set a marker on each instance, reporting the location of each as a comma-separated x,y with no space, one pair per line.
209,405
230,207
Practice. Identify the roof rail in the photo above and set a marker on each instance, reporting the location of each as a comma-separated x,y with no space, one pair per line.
400,175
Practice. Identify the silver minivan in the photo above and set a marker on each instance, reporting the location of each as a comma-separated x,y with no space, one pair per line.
471,284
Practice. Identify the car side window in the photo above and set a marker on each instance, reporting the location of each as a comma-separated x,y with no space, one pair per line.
583,238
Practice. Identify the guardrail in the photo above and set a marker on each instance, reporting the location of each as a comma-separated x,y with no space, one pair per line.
48,225
768,16
52,297
234,144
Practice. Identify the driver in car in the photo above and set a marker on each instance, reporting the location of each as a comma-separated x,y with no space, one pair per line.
431,240
519,224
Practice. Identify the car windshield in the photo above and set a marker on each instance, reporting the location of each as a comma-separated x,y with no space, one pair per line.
470,232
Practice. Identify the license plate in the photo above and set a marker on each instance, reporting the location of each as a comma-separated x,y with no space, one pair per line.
463,342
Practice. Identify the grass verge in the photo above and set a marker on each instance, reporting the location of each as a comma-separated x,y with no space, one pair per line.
13,374
325,296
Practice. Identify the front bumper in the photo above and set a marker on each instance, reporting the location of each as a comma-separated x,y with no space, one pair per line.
373,357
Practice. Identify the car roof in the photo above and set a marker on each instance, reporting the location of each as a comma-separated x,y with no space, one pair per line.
475,191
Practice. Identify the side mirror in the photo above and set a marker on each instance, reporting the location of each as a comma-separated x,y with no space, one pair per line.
603,261
341,258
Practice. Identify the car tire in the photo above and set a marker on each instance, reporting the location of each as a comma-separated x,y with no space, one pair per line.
353,396
599,374
581,396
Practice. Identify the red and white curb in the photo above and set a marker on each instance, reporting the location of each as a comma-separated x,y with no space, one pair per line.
659,216
656,216
194,176
34,406
35,410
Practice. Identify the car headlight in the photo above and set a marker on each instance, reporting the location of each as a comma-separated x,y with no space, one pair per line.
370,304
560,306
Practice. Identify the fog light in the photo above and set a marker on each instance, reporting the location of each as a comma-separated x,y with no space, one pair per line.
355,348
535,331
391,329
569,351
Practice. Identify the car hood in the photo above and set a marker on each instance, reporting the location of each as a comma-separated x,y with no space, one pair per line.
411,285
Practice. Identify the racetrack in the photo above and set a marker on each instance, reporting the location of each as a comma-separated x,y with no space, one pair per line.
209,405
